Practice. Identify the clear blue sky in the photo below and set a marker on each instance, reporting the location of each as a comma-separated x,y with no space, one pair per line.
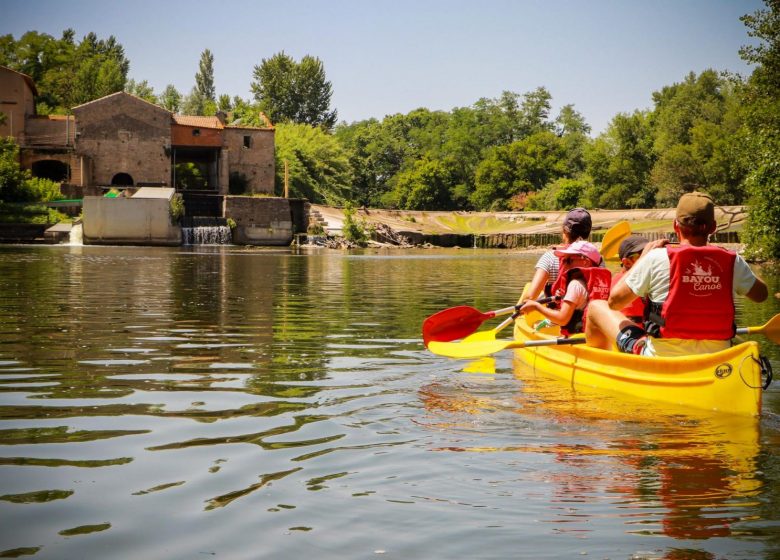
385,57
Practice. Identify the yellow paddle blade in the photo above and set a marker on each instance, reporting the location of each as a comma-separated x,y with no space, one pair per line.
771,329
466,350
613,238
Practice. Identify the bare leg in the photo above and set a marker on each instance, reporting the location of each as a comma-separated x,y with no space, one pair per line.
603,324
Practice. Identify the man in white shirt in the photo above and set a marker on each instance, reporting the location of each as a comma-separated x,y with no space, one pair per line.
651,277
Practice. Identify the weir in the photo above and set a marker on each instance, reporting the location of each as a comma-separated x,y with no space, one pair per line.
202,230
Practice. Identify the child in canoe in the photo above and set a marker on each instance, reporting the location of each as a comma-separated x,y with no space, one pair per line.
580,280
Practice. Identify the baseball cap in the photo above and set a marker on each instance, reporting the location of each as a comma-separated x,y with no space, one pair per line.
578,222
583,248
695,209
630,245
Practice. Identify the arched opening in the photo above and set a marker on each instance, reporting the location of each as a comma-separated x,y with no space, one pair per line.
51,169
122,180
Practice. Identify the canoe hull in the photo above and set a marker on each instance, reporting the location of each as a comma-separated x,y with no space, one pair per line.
726,382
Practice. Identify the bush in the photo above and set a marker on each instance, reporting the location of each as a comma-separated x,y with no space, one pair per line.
176,208
351,230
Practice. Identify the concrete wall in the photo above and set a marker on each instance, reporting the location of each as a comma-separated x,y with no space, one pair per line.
260,221
255,162
123,134
128,221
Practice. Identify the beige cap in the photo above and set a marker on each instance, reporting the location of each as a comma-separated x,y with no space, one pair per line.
695,209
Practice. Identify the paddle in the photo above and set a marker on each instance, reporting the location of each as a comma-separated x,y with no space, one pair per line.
458,322
612,239
475,348
770,329
480,348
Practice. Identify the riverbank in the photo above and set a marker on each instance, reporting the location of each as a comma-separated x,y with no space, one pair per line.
510,230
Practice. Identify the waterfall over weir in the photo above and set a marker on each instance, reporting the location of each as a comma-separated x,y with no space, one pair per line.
206,235
205,231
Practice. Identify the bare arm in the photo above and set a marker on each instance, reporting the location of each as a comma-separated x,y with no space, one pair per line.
620,295
537,284
758,292
559,316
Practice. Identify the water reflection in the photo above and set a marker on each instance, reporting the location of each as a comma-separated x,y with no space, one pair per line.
251,403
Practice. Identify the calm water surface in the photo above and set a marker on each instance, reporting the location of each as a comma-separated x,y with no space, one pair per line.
244,403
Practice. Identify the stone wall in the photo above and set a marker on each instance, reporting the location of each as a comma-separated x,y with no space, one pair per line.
255,161
16,92
260,221
123,134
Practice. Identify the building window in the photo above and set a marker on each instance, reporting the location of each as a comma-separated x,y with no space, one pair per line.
247,141
196,132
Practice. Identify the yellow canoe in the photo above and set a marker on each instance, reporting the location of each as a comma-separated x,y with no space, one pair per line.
726,382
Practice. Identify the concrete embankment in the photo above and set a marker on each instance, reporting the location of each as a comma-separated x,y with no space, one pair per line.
517,229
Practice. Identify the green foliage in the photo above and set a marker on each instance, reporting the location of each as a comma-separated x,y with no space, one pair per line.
296,92
619,161
12,177
521,167
142,90
248,114
65,72
425,185
44,190
761,101
176,208
204,78
318,165
190,176
351,229
170,99
29,213
561,194
231,223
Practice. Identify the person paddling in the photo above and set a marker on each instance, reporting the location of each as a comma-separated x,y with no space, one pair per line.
628,252
690,289
576,226
580,280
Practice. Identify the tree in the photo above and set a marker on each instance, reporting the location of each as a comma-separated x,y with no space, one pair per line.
224,104
425,185
762,122
142,90
67,73
524,166
170,99
204,78
619,162
288,91
319,169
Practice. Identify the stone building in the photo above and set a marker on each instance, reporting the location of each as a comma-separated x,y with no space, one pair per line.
121,140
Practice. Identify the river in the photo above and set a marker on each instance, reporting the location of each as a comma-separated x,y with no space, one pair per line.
252,403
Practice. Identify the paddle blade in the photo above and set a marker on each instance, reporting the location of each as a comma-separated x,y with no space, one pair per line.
452,324
613,238
467,350
771,329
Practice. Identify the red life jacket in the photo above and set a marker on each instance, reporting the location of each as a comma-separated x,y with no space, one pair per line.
700,304
597,284
635,309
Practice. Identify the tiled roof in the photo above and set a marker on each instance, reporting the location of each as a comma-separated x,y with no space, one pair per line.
202,122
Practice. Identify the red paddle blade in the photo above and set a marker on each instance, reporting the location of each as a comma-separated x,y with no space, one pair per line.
453,323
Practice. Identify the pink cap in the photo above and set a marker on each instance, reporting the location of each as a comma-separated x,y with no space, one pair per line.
582,248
